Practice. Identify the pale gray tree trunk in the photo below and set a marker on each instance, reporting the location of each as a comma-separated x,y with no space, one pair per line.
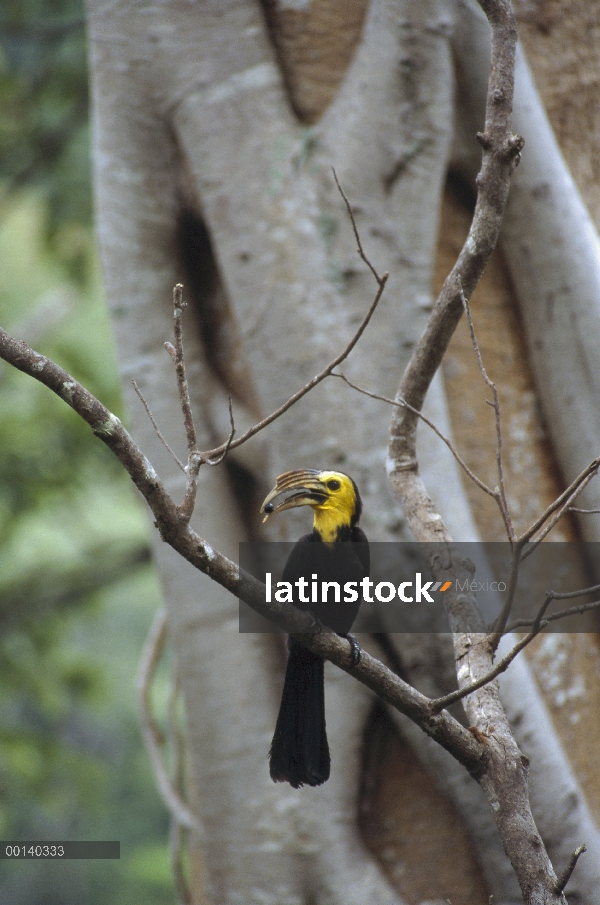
195,88
551,247
191,117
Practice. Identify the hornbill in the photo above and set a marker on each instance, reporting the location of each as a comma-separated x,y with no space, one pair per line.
336,550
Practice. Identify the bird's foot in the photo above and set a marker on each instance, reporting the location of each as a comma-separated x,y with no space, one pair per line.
355,651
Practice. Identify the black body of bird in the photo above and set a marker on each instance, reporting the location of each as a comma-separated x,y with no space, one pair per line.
336,550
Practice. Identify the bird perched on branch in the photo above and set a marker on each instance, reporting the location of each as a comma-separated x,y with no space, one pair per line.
336,551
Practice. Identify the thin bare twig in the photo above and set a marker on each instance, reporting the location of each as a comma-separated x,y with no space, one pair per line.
566,874
182,384
197,458
194,459
564,499
153,735
560,595
584,511
499,625
521,551
216,455
217,451
500,667
540,622
436,430
440,704
500,494
155,426
229,439
554,617
355,228
557,516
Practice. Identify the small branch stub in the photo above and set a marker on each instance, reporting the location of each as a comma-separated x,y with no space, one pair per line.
566,874
513,147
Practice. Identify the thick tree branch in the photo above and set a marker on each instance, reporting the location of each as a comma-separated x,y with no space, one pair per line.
504,779
176,531
501,151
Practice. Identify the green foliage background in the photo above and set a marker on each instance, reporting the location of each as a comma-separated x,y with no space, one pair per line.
77,590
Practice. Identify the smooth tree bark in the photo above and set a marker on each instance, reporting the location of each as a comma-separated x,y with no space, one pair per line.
205,175
197,90
554,267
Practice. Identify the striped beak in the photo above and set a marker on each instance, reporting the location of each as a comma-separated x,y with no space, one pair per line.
300,487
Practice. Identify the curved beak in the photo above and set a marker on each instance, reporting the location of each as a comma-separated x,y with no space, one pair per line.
300,487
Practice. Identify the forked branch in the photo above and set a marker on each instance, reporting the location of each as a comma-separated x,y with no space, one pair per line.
178,534
196,457
402,403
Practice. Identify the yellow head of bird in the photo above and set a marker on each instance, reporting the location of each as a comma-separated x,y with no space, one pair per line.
332,495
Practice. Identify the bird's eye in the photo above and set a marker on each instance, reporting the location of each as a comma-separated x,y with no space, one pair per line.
333,484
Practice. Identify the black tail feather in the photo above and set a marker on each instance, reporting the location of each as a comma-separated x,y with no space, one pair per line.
299,752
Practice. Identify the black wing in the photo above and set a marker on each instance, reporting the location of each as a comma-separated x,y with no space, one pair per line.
359,537
298,560
340,562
